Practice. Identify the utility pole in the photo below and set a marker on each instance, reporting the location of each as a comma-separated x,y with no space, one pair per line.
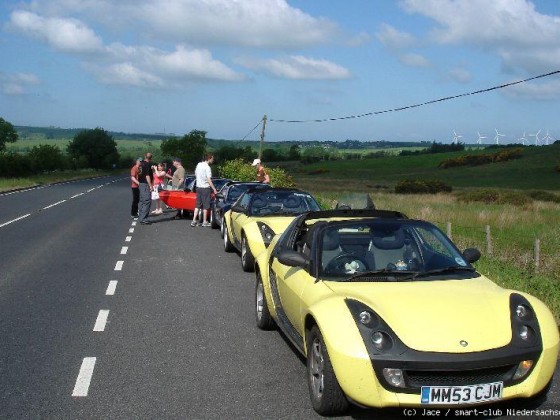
262,136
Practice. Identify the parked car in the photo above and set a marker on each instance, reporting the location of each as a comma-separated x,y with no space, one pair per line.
186,199
258,215
225,198
388,312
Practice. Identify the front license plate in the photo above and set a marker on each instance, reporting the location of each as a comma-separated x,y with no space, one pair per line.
468,394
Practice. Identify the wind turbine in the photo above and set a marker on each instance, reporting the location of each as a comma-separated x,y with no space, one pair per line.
479,141
498,135
536,136
456,137
523,139
547,138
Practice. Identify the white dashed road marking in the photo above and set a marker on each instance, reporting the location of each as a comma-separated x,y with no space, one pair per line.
131,230
84,377
54,204
128,239
15,220
77,195
118,265
111,288
124,250
101,320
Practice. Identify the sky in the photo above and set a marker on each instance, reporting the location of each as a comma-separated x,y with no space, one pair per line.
172,66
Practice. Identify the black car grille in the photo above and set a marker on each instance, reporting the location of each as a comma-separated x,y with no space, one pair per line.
419,378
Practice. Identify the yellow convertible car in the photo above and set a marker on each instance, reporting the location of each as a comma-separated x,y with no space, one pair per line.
389,313
258,215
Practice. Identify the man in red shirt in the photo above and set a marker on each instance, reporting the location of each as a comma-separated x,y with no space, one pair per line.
134,185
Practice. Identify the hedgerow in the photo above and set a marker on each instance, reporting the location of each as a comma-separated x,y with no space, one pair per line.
409,186
475,160
240,170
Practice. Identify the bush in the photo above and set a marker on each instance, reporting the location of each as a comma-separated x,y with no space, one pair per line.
409,186
544,196
47,158
475,160
14,165
240,170
489,196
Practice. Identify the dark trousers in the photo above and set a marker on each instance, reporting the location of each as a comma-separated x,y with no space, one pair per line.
135,200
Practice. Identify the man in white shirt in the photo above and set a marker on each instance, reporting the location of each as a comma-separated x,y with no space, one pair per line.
204,187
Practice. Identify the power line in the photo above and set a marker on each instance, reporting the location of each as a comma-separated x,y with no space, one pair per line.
249,133
368,114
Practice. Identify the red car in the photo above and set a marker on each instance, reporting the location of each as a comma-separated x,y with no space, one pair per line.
186,199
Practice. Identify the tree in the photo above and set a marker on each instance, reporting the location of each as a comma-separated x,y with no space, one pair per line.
46,158
95,148
8,134
190,148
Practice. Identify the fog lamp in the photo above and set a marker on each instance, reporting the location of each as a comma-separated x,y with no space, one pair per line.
381,341
522,312
394,377
522,369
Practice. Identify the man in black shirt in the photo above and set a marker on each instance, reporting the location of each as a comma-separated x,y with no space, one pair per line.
145,186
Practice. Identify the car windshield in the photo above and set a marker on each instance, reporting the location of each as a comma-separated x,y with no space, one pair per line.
235,191
274,203
382,250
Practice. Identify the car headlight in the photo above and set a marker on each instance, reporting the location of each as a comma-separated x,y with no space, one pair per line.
524,324
266,232
378,337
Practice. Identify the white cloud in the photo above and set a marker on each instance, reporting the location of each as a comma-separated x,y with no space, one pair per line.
17,83
63,34
535,90
249,23
298,67
393,38
414,60
460,75
513,29
151,67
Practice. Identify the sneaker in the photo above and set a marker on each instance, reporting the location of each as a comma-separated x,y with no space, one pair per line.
193,223
206,224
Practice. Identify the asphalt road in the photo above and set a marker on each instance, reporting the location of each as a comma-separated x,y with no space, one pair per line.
103,318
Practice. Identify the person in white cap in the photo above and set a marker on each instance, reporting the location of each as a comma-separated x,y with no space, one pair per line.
262,176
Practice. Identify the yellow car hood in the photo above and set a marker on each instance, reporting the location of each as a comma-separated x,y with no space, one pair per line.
438,315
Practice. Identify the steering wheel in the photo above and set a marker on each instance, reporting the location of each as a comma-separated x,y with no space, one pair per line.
338,264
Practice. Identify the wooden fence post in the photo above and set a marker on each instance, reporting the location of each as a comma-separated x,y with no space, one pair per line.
537,249
449,230
488,240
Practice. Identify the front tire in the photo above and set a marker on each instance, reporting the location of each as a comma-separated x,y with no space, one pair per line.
228,246
326,395
213,218
263,318
247,258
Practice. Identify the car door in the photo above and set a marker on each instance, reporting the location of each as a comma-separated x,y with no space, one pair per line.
239,217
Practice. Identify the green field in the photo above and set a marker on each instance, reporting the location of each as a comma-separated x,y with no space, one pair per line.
535,170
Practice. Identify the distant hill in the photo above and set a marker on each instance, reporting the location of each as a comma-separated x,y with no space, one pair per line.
54,133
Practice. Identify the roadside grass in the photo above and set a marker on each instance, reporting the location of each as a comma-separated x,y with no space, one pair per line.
8,184
513,230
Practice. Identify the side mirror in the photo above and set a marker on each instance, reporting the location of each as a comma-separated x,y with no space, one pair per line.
238,209
471,255
293,259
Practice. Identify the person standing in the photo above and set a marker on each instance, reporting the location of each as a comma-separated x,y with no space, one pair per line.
159,179
145,187
177,180
204,187
262,176
134,186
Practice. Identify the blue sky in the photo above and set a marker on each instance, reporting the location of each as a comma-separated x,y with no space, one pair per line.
152,66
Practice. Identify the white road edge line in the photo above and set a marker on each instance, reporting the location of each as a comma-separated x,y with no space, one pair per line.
118,265
111,288
84,377
15,220
77,195
124,250
54,204
101,320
